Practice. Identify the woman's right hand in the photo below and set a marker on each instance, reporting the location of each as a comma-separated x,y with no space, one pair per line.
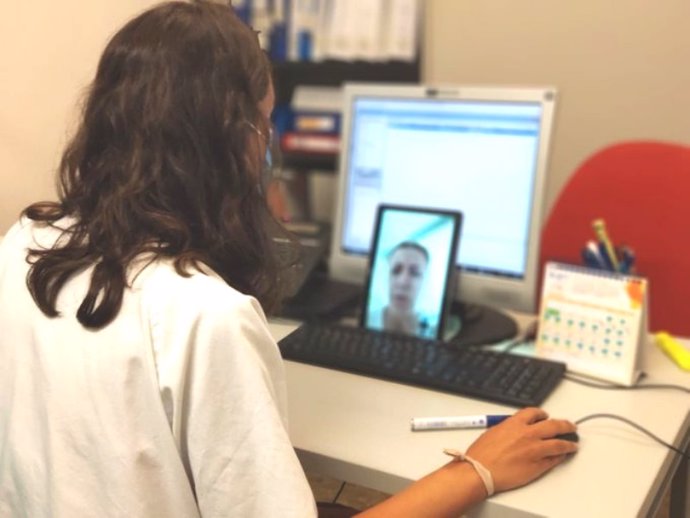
522,448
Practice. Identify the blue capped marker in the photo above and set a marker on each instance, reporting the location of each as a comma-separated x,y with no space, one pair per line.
455,422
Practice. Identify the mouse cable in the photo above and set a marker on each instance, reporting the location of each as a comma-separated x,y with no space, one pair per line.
337,495
512,345
522,338
613,386
634,425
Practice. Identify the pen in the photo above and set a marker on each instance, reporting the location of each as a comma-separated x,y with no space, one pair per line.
605,257
628,260
452,422
600,230
592,257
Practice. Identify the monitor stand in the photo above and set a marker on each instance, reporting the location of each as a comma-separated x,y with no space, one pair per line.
322,298
476,324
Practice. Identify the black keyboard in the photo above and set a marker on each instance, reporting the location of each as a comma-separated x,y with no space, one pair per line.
503,378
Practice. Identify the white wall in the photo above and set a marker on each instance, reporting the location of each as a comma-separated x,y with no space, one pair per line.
622,68
48,54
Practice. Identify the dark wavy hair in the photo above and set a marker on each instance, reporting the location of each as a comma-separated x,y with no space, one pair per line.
160,163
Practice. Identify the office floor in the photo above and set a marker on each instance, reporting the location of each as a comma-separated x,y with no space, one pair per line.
328,489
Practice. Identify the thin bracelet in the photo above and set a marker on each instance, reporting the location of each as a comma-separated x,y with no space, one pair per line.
483,473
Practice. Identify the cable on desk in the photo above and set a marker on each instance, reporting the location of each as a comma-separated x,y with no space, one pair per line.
517,342
337,495
528,335
634,425
613,386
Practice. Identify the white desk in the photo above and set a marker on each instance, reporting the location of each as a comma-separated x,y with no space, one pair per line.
356,429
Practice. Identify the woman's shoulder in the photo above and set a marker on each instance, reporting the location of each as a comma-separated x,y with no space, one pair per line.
26,232
22,230
199,291
201,311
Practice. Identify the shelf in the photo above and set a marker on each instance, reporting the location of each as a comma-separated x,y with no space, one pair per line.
311,161
288,74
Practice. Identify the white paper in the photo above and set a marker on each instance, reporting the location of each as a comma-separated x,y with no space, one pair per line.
336,29
261,21
327,99
352,29
367,29
401,30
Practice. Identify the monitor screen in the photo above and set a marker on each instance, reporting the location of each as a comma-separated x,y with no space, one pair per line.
478,150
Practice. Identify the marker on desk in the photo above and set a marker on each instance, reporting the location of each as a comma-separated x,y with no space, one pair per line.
600,230
454,422
674,349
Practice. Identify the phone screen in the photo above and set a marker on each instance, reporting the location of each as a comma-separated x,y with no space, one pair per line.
411,267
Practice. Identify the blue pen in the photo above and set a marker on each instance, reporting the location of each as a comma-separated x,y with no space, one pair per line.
605,246
592,257
455,422
627,260
603,252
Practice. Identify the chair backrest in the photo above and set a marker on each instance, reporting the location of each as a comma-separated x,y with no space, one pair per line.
642,190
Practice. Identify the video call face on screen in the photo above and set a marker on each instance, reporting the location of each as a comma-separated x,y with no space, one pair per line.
411,264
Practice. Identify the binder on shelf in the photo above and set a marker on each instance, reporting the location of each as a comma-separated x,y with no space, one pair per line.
278,34
243,9
594,321
315,125
316,109
344,30
317,99
304,17
315,122
295,142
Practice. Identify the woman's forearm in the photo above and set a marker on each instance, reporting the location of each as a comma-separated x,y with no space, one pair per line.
448,491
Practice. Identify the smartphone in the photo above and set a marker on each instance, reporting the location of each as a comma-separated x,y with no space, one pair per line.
411,276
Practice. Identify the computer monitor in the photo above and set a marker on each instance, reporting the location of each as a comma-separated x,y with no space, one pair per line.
479,150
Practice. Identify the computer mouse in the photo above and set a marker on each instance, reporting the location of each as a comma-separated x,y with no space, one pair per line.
570,436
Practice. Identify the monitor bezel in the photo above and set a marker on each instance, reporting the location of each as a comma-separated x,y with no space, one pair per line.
517,294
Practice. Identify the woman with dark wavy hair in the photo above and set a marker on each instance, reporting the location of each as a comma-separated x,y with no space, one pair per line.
138,377
164,163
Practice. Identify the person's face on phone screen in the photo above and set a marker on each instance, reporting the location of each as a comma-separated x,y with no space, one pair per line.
407,268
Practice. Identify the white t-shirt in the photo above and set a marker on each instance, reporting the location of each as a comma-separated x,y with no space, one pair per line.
175,409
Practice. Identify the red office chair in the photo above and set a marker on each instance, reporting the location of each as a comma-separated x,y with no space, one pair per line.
642,190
